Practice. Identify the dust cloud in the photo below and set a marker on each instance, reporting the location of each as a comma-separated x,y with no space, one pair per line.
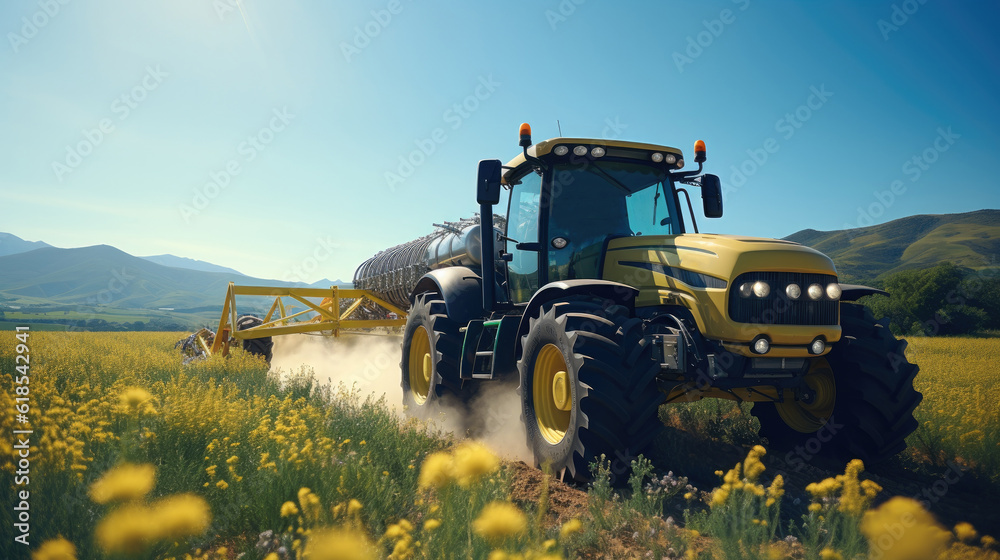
370,363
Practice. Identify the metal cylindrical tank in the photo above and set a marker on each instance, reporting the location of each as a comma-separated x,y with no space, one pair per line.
392,273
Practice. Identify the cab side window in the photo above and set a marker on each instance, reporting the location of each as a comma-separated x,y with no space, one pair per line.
522,225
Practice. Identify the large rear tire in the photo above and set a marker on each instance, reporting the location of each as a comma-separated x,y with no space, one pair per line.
588,386
263,347
864,397
432,344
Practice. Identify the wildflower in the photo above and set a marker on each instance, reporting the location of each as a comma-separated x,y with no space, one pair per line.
435,471
222,484
570,527
55,549
752,466
815,507
182,515
127,530
775,491
830,554
548,544
131,529
136,400
395,531
405,525
431,524
966,532
903,530
232,460
340,544
497,555
472,460
688,495
125,482
353,507
288,509
499,520
222,551
987,541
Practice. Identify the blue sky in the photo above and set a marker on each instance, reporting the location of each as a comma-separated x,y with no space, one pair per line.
262,135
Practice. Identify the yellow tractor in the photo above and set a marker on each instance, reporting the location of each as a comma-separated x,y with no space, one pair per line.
598,294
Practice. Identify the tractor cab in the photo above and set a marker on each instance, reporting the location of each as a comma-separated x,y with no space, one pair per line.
570,197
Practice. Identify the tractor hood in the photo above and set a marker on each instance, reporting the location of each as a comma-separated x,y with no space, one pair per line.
711,260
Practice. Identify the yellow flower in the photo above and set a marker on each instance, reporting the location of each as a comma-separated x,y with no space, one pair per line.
431,524
340,544
570,527
830,554
777,488
497,555
472,460
125,482
135,399
406,525
688,495
901,529
435,471
814,507
288,509
966,532
55,549
499,520
127,530
182,515
353,507
131,529
395,531
222,484
752,466
222,551
232,460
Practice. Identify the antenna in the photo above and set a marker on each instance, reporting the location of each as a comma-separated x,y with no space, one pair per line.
559,127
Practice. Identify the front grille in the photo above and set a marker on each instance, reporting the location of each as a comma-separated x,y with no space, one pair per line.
777,308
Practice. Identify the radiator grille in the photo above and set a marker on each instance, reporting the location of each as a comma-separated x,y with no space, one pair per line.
777,308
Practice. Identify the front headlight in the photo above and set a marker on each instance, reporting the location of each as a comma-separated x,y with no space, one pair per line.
761,289
815,291
833,291
793,291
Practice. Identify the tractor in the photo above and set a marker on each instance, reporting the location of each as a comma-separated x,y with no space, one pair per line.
604,302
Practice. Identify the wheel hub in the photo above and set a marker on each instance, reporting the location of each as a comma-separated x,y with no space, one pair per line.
420,366
551,394
560,391
814,405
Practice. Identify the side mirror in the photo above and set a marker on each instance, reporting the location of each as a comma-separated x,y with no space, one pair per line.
711,195
488,183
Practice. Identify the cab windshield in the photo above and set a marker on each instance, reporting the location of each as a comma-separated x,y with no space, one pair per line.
596,201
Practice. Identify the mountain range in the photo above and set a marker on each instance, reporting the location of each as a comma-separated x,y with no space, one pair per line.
39,276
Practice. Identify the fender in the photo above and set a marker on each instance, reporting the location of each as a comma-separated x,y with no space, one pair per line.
623,294
459,286
853,292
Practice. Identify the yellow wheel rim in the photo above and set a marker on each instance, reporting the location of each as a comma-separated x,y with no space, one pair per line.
420,366
807,417
552,394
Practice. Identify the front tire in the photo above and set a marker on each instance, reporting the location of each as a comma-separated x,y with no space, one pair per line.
588,386
864,397
431,348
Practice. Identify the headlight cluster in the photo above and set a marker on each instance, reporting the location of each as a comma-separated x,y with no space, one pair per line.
794,292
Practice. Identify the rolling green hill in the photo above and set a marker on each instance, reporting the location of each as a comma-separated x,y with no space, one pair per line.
102,282
969,240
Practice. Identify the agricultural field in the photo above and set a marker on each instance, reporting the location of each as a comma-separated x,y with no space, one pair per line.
133,455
